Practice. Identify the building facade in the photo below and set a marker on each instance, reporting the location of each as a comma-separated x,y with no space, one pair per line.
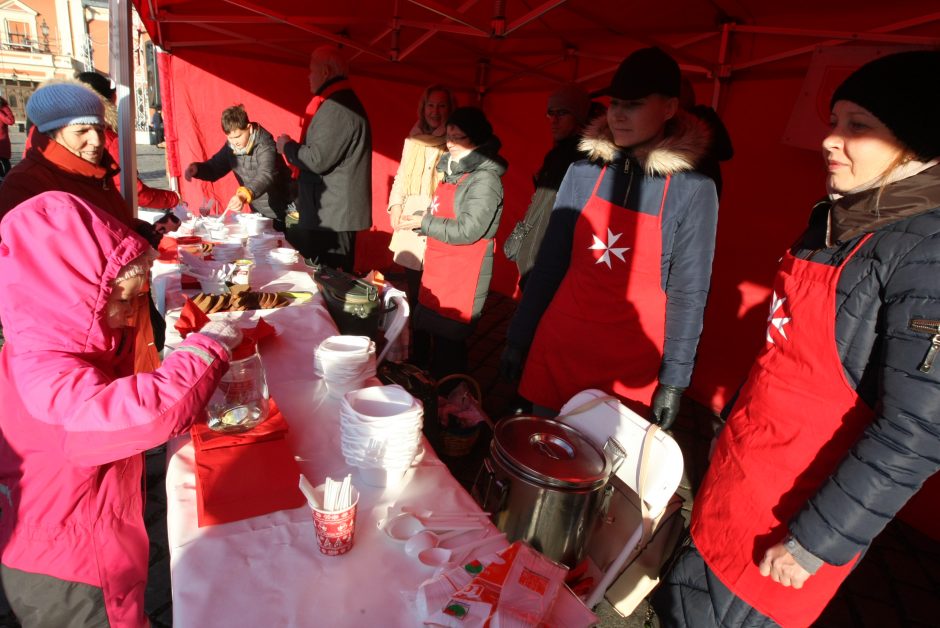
46,39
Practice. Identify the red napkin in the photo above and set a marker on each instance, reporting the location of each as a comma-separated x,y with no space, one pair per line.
245,475
168,250
192,319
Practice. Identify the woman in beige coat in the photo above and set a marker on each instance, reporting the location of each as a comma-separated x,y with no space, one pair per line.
417,179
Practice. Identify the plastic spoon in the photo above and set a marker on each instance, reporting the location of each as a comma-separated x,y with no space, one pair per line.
440,556
404,526
431,514
426,540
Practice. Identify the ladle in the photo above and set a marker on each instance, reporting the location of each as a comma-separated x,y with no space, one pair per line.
440,556
426,539
404,526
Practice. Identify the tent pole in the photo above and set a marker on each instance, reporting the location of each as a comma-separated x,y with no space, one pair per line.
723,70
122,73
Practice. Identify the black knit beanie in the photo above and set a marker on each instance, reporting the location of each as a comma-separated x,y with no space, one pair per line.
473,122
903,91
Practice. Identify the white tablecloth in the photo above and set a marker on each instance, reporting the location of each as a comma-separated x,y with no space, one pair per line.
268,571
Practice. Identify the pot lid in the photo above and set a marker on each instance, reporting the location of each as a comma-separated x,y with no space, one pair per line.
551,452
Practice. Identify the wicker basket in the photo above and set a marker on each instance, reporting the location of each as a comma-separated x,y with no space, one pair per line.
458,441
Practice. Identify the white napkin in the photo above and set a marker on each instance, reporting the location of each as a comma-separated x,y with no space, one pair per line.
210,275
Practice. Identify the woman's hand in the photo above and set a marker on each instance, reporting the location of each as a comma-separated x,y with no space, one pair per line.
782,568
190,171
412,222
394,215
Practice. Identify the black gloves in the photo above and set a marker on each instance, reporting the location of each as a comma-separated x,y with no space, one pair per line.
153,233
169,222
665,406
146,230
512,362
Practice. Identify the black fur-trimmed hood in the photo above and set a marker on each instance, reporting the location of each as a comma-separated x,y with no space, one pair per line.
686,143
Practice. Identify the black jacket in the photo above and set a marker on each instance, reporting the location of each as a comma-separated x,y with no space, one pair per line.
335,161
892,280
262,171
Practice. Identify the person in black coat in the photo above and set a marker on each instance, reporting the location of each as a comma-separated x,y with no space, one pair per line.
250,154
333,162
836,427
567,111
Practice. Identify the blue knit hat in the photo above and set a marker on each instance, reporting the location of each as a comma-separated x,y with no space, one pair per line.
56,105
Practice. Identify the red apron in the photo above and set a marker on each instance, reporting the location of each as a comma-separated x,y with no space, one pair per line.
606,323
451,271
794,421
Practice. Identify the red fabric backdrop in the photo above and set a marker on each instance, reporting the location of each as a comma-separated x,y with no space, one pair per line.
769,187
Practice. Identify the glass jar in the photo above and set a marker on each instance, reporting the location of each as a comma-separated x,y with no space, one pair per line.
241,400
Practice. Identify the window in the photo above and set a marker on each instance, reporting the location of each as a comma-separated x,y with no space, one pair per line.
18,34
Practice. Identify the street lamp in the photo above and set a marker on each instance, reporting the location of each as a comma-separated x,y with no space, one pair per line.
44,28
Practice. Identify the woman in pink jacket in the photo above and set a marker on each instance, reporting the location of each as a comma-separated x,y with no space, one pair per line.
75,417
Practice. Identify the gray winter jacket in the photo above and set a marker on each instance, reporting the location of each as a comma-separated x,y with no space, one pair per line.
335,161
478,203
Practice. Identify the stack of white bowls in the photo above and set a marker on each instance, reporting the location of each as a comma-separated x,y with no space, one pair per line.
345,363
380,431
226,252
260,245
258,224
283,256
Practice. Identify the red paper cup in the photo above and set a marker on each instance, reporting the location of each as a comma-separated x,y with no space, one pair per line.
335,528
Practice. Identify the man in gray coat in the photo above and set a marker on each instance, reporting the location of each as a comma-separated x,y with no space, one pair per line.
333,165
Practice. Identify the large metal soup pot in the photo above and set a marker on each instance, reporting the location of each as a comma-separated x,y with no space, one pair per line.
544,483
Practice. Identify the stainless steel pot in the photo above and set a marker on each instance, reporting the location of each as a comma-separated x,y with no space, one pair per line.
545,484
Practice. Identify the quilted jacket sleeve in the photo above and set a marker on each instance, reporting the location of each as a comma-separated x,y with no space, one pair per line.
104,419
155,198
687,279
476,209
216,166
900,450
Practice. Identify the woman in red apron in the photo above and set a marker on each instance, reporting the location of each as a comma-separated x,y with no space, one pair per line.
460,224
616,297
836,426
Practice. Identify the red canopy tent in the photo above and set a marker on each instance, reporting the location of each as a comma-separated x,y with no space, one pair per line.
767,66
748,58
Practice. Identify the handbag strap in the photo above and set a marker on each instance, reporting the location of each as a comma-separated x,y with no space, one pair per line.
584,407
642,474
642,468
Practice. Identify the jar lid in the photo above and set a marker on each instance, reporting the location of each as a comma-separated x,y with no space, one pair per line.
551,453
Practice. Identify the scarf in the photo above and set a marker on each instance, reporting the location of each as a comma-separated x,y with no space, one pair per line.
911,189
251,142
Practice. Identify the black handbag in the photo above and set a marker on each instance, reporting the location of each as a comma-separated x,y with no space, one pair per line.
354,304
513,243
